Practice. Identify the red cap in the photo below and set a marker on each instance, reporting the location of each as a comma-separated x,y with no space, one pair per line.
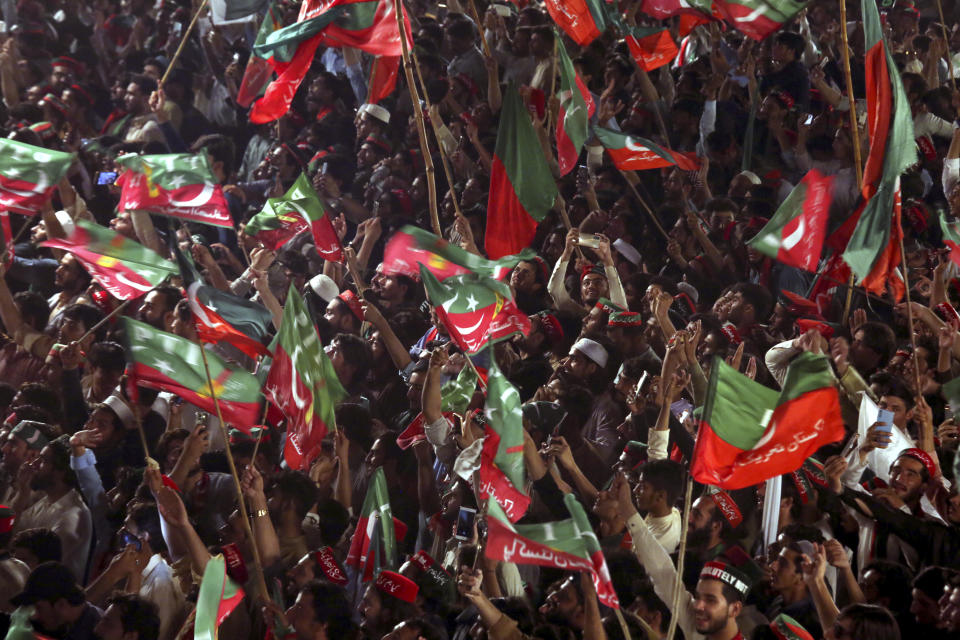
729,508
924,457
396,585
330,567
350,299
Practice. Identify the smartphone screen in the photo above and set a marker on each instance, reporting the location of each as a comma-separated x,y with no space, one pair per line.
465,523
106,177
127,538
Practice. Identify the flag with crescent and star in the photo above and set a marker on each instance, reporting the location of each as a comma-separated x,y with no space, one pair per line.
28,175
632,153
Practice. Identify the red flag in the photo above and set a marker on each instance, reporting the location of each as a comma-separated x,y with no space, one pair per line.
383,78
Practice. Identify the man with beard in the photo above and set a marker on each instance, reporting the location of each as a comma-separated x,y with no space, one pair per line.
61,609
57,504
533,368
22,446
564,604
393,292
128,617
596,281
157,308
72,281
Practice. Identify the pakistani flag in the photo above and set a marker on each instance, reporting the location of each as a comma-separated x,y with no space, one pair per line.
758,18
632,153
28,175
258,72
457,394
179,185
164,361
374,545
502,474
125,268
651,47
569,544
219,595
582,20
795,233
474,309
576,109
300,208
302,383
749,433
950,227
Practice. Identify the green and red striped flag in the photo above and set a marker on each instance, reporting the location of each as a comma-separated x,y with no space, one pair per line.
28,175
950,228
373,546
758,18
651,47
582,20
522,188
179,185
125,268
476,310
411,247
569,544
795,233
258,72
873,251
298,209
632,153
457,394
749,432
502,474
219,595
369,25
576,109
302,383
164,361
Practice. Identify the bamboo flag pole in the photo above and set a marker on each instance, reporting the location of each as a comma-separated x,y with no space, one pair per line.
104,320
418,114
854,134
183,42
553,82
678,583
946,38
483,36
906,286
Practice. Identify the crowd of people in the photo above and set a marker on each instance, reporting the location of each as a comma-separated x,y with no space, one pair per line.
626,324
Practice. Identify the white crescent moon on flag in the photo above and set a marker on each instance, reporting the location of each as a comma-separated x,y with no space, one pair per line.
199,200
196,308
40,186
130,283
473,328
297,400
794,238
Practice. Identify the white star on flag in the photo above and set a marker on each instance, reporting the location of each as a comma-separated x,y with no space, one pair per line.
176,182
472,303
163,365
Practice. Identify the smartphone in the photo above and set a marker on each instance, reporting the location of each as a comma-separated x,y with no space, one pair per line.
106,177
637,390
809,119
127,538
588,240
465,523
886,417
681,409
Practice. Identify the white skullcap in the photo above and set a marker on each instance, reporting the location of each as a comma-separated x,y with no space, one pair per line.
751,176
324,286
376,111
592,349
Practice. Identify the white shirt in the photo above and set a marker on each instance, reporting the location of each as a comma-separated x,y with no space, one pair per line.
70,519
160,587
666,529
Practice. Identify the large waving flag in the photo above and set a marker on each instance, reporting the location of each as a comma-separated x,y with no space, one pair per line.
257,74
569,544
167,362
795,233
28,175
582,20
522,188
502,474
374,543
576,109
219,595
651,47
755,18
125,268
632,153
369,25
749,432
873,252
302,383
179,185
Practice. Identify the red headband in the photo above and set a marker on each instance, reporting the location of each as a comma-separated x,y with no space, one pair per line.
551,327
330,567
350,299
923,457
729,508
730,330
396,585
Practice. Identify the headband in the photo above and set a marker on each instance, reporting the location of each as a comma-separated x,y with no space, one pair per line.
396,585
728,507
330,567
625,319
726,574
592,349
786,628
378,142
923,457
350,299
608,306
551,327
730,330
802,485
592,268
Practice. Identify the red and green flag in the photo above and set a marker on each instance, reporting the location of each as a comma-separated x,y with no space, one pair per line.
582,20
369,25
522,188
164,361
651,47
569,544
950,228
632,153
257,74
502,474
476,310
124,267
795,233
29,175
749,432
219,595
576,109
300,208
411,247
873,251
383,78
456,394
179,185
220,316
374,543
758,18
302,383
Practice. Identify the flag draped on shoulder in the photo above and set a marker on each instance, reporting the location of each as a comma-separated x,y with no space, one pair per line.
576,109
476,310
749,433
369,25
164,361
374,543
873,250
502,475
219,595
522,188
29,175
220,316
300,208
631,153
582,20
302,383
569,544
125,268
795,233
179,185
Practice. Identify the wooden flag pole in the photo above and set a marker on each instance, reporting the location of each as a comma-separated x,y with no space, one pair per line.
553,82
913,337
483,37
418,114
183,43
946,38
854,135
653,216
244,516
678,583
104,320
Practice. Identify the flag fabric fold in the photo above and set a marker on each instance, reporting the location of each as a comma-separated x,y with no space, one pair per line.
219,595
950,228
29,175
582,20
749,433
632,153
373,546
651,47
258,72
125,268
576,109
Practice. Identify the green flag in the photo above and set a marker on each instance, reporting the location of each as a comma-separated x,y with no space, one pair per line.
457,393
374,545
218,597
